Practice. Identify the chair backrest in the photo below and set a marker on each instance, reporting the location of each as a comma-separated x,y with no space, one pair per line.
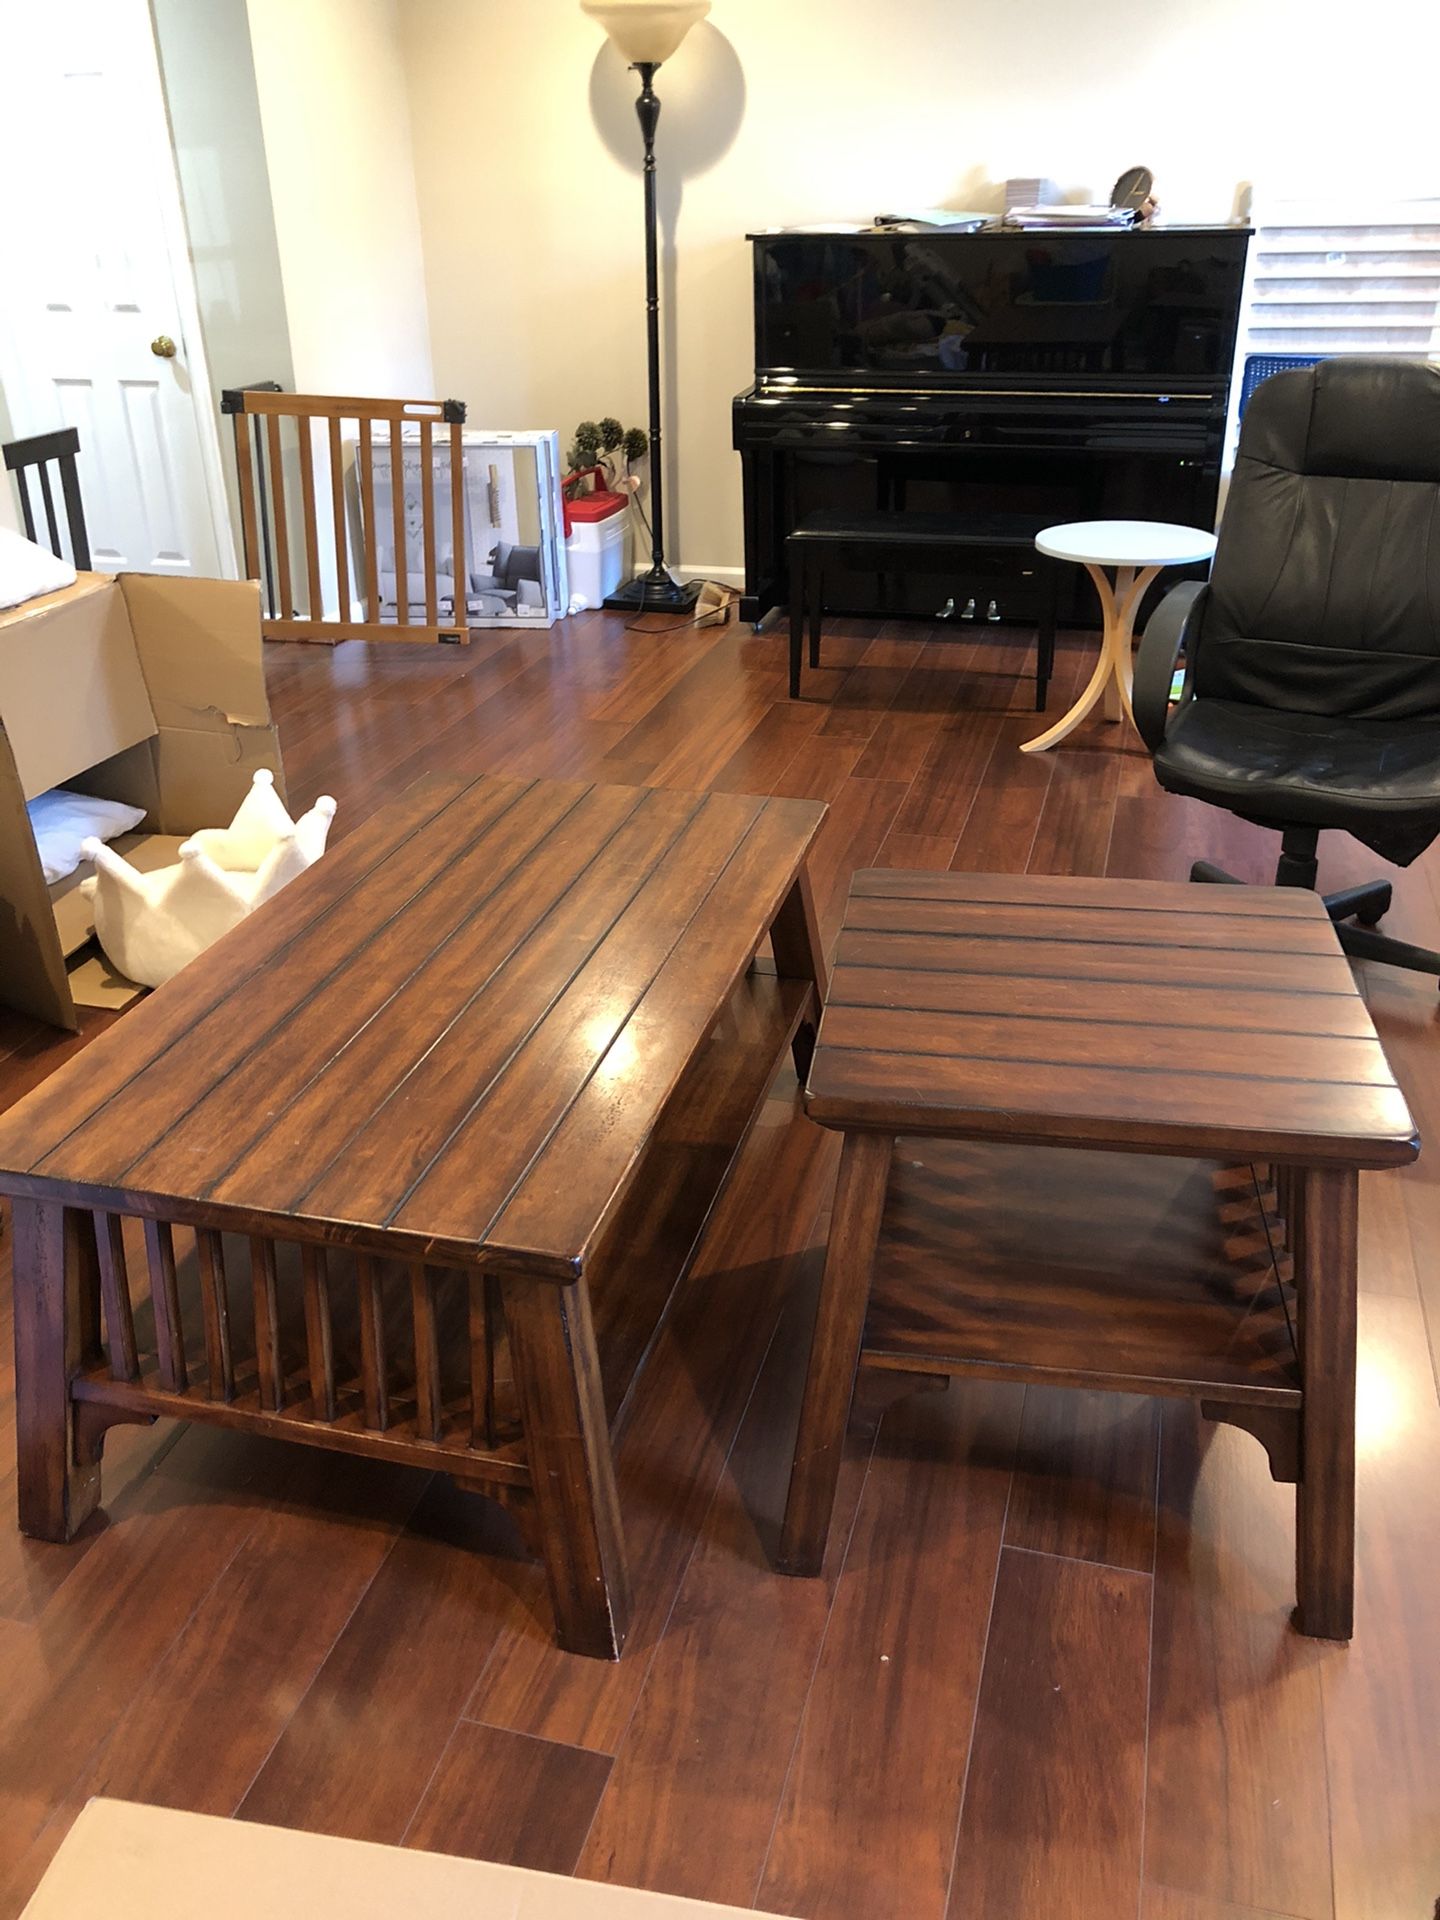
21,456
1325,593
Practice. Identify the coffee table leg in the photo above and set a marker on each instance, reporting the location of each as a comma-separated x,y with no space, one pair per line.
57,1290
835,1349
567,1442
800,955
1324,1248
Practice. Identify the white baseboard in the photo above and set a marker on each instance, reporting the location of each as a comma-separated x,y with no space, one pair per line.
727,576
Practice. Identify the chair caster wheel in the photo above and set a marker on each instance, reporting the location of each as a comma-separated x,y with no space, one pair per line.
1206,873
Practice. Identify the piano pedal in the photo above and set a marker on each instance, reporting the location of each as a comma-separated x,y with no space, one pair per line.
947,612
968,611
992,612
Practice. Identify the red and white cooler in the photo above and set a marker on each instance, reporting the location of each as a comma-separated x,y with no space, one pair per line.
597,545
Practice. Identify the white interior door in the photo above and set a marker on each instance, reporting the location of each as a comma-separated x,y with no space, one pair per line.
100,303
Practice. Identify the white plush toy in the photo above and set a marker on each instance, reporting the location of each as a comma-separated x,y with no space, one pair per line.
260,821
153,924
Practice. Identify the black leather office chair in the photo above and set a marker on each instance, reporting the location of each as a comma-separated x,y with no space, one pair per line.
1311,696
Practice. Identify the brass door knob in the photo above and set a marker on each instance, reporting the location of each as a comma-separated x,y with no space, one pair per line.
163,347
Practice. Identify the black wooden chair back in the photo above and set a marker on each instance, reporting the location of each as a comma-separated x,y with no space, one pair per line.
38,452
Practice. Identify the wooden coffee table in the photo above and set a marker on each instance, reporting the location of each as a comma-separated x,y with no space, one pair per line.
1138,1120
408,1164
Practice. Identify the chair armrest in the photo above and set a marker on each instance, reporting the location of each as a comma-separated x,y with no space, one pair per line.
1172,628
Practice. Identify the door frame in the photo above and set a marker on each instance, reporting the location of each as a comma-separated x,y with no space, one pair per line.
153,127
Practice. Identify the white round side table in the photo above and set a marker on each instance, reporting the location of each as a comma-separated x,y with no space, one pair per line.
1137,550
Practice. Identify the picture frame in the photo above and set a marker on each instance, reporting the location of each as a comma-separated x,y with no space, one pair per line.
515,571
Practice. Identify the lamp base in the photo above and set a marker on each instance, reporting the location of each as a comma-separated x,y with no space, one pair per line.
648,594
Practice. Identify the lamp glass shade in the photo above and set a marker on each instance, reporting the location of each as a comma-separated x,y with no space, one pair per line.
646,31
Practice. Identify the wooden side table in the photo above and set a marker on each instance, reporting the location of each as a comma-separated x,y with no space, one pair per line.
1137,550
1133,1129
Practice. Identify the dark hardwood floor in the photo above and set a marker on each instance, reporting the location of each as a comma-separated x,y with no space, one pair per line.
1048,1670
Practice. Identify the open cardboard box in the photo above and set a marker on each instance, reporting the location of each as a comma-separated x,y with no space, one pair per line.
143,688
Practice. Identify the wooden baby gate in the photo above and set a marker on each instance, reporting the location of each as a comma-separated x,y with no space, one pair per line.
287,429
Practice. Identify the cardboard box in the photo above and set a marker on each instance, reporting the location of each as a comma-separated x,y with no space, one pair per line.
151,1863
143,688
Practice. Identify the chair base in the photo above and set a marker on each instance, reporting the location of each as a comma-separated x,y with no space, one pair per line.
1363,905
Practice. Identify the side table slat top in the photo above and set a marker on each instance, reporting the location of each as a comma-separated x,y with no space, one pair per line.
492,983
1117,1013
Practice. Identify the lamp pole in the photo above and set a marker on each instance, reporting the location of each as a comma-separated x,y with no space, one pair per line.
655,591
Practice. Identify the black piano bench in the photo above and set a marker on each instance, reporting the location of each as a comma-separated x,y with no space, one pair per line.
890,542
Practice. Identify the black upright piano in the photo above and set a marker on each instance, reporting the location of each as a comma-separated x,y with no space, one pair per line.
1077,375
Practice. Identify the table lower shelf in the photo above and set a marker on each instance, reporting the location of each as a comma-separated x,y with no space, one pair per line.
1125,1272
413,1357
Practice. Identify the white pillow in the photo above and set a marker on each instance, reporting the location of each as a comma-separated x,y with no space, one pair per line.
61,819
27,570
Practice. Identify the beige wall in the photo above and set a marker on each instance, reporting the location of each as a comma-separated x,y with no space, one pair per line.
790,110
336,120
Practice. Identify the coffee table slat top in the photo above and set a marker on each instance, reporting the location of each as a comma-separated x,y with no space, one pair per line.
454,1035
1108,1013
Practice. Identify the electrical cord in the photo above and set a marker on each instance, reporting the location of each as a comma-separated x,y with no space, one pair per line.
730,596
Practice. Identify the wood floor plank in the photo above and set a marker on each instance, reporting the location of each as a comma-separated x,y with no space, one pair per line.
911,850
868,1819
33,1571
505,1797
944,788
198,1731
107,1629
1078,817
691,1804
396,1679
1085,1478
855,829
1165,1903
1052,1822
999,830
673,1446
1382,1693
762,757
1237,1803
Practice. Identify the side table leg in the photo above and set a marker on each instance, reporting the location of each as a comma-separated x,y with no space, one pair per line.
1113,603
1325,1286
835,1349
1114,670
1131,586
1094,686
800,955
567,1441
57,1292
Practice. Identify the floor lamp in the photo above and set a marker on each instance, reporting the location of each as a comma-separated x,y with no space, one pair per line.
647,32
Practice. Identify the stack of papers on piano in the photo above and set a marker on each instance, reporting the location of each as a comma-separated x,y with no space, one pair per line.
1066,215
1030,192
935,220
